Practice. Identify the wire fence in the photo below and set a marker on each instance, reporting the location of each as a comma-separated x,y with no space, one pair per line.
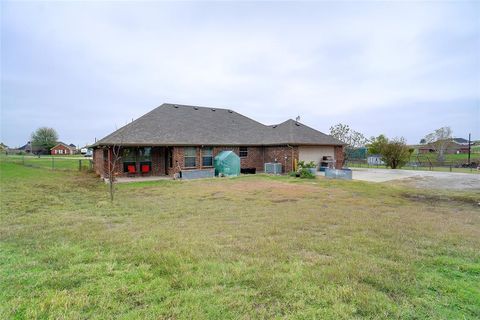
50,162
445,166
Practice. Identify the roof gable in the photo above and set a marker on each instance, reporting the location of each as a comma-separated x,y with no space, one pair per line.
61,144
294,132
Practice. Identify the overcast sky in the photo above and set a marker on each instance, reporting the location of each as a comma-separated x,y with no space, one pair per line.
85,68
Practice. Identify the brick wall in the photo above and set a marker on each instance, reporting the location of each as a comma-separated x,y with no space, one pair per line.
65,150
158,161
178,160
256,157
98,161
282,154
339,157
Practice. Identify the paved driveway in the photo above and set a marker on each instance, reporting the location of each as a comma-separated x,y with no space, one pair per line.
421,179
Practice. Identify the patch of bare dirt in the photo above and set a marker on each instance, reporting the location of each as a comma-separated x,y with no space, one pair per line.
440,199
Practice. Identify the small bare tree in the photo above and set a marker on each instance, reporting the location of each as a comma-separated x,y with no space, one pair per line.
439,140
114,158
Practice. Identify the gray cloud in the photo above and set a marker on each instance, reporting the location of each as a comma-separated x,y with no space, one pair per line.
85,68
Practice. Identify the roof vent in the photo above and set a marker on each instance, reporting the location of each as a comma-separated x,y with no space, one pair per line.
195,108
230,111
214,110
175,106
297,124
274,126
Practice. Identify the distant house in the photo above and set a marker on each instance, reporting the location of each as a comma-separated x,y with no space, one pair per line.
176,138
30,148
455,145
375,160
62,149
26,148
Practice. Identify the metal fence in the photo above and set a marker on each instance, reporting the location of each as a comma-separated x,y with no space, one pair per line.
446,166
50,162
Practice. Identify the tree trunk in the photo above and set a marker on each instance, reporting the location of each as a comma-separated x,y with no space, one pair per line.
111,188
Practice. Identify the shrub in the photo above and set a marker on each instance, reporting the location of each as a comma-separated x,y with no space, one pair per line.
302,164
395,153
306,174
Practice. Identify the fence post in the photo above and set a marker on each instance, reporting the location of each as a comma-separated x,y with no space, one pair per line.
450,168
79,165
53,163
23,159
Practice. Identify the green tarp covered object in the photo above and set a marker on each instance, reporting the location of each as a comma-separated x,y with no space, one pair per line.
227,163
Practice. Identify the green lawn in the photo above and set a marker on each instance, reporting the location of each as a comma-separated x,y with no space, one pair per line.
60,162
353,164
242,248
461,157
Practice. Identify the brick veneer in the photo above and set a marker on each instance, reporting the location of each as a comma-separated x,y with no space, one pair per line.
158,161
98,162
256,157
339,157
65,150
282,154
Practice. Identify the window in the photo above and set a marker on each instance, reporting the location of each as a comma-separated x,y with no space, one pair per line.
145,154
243,152
129,157
207,156
128,154
60,151
190,157
145,159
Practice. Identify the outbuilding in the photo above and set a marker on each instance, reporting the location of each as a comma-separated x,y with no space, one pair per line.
375,160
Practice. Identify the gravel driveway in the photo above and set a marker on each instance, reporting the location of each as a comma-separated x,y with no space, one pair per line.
421,179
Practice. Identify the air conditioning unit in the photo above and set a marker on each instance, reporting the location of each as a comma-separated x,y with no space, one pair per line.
273,168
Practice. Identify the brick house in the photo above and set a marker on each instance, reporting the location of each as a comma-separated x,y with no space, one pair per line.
62,149
174,138
453,146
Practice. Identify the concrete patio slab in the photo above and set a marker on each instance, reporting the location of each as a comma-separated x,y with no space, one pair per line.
139,179
421,179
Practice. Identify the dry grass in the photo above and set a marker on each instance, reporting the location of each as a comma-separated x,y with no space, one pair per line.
249,247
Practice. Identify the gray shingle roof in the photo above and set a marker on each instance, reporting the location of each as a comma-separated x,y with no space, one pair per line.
460,140
172,124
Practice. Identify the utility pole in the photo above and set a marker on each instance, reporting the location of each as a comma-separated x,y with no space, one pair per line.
469,148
